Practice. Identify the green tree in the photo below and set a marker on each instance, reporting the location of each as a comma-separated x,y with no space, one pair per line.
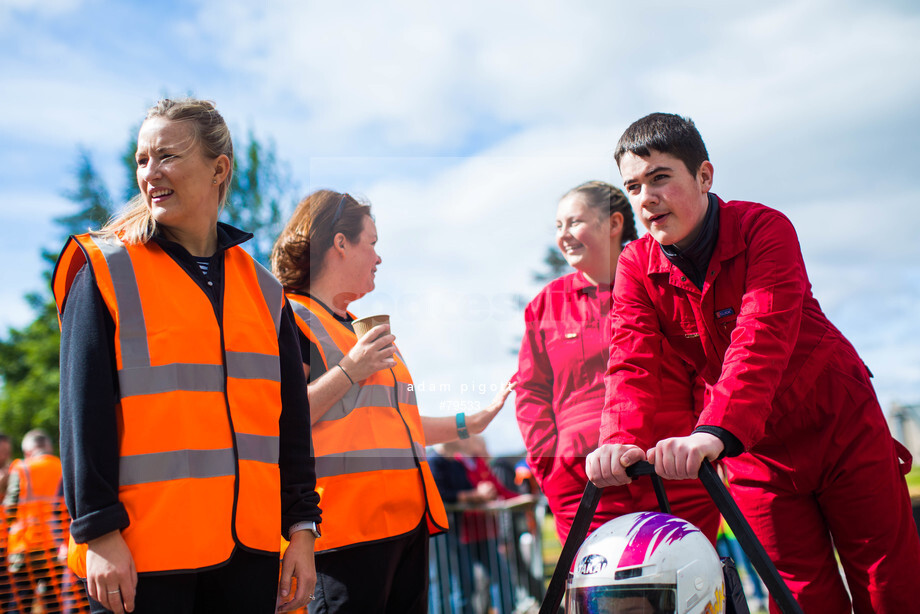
129,165
91,195
29,369
555,264
258,193
29,356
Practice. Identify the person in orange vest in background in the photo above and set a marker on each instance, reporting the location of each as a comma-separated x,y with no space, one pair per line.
31,504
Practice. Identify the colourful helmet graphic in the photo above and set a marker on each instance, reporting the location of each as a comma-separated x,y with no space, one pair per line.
646,563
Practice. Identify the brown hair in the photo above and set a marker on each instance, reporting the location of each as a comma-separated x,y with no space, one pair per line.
300,251
606,200
667,133
134,223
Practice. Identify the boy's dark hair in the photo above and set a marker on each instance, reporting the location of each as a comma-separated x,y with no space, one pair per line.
667,133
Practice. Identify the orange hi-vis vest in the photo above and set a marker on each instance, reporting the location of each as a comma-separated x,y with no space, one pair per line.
372,474
200,399
37,523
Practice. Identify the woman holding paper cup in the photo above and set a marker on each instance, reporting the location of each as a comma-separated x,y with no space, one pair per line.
379,499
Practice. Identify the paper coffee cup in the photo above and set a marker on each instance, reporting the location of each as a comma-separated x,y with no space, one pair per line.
362,325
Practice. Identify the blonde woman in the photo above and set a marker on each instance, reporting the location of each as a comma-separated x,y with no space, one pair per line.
185,435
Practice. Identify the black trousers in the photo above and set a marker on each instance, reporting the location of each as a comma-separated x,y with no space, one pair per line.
246,584
389,577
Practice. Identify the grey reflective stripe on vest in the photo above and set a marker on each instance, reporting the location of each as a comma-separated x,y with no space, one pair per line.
360,461
251,365
272,292
193,377
168,378
185,464
333,354
261,448
176,465
369,395
132,331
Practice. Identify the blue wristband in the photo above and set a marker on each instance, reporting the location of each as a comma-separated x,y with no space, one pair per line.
462,433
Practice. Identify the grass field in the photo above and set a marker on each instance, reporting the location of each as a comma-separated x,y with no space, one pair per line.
913,482
551,547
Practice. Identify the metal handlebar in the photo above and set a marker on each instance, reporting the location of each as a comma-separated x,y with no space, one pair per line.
720,496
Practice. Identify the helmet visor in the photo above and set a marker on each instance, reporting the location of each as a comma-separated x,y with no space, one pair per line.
635,599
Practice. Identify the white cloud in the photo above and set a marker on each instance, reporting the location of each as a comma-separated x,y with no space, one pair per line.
21,207
778,71
23,242
459,247
87,120
40,8
417,74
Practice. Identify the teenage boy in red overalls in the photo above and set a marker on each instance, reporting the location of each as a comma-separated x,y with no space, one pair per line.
789,402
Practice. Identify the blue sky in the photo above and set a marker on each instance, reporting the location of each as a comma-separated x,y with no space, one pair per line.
463,123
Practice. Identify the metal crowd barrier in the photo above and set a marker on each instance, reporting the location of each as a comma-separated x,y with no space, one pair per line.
34,577
491,560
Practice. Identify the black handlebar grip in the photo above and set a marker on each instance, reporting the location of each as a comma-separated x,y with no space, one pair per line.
640,468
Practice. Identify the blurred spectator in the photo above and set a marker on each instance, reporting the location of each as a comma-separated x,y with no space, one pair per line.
524,525
524,478
461,471
503,470
33,521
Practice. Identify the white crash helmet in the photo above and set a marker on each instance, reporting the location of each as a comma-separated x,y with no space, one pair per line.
646,563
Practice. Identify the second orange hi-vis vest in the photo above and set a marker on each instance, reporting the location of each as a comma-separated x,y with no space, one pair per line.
36,521
372,474
200,399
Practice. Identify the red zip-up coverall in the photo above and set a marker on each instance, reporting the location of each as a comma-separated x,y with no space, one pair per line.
560,397
821,463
